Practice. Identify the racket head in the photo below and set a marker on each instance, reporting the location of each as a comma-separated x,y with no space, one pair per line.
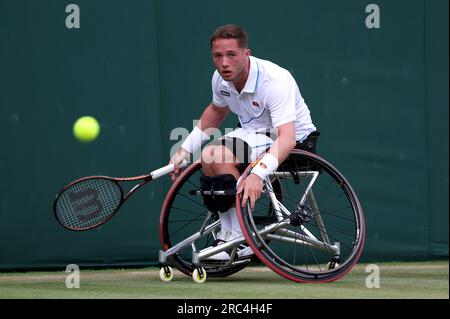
88,202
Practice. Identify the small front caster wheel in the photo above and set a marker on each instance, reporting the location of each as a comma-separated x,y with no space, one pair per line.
166,273
199,275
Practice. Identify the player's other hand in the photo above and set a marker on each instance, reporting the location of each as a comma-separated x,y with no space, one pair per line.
251,187
176,159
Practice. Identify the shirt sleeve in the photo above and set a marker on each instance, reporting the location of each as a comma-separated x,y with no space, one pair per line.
281,102
218,100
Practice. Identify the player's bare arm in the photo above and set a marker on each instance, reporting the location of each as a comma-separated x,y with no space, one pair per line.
253,184
212,117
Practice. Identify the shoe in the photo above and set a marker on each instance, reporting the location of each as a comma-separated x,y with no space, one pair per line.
243,250
246,251
221,237
222,256
224,236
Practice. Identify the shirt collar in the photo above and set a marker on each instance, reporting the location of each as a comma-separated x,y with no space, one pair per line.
252,80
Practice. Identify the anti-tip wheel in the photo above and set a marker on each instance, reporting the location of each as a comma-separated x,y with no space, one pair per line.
166,273
199,275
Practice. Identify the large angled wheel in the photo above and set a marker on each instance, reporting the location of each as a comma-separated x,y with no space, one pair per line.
182,216
319,232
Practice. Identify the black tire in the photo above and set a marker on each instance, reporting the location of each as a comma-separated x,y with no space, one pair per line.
341,213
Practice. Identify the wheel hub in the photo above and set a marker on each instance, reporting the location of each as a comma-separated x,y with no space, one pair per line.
302,215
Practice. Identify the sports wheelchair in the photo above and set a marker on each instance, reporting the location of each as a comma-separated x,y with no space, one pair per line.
308,225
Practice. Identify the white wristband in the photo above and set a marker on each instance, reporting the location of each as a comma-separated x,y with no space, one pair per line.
195,140
265,166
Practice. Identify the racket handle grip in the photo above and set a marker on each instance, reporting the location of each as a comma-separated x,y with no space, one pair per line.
167,169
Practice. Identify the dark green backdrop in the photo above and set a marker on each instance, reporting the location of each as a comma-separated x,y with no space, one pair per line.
143,67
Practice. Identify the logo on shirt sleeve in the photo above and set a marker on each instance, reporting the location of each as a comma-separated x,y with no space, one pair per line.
225,93
255,104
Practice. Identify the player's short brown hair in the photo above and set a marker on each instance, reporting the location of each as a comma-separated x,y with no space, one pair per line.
231,31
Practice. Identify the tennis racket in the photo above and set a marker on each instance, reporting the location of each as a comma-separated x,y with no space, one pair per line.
91,201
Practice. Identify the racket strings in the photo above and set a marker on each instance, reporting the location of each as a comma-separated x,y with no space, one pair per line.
88,203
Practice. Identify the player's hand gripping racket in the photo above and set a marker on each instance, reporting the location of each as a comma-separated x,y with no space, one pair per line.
91,201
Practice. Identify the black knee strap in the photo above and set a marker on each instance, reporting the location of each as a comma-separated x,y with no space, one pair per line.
218,203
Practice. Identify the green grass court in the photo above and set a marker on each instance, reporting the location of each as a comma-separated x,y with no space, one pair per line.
424,280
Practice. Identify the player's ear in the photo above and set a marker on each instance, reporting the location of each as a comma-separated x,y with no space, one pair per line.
248,52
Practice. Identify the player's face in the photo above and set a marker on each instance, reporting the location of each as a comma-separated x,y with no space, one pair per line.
229,58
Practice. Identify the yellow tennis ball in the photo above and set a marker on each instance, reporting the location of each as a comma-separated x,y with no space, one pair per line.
86,129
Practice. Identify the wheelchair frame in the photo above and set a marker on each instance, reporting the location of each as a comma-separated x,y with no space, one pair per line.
272,232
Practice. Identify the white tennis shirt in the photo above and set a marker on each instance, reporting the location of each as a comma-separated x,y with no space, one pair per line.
270,98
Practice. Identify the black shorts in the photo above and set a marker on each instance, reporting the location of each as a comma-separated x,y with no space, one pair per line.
309,144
